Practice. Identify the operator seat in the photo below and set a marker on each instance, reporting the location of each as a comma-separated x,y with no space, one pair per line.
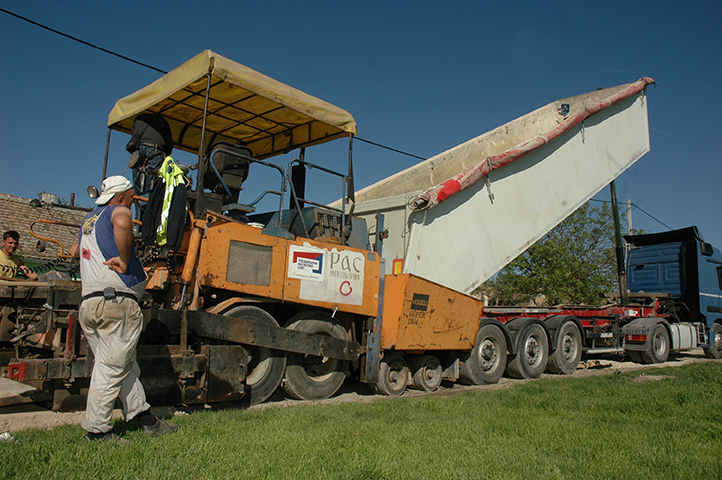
229,168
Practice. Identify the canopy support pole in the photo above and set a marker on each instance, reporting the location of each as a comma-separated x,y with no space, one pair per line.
201,200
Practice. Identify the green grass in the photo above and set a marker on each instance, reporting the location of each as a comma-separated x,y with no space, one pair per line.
611,426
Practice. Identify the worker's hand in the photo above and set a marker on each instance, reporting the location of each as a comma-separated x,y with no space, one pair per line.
117,265
74,251
28,273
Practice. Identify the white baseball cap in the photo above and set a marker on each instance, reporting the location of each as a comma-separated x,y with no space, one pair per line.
111,186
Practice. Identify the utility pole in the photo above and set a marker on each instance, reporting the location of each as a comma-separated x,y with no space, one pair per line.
629,216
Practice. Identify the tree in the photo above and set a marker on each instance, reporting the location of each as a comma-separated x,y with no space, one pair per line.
575,263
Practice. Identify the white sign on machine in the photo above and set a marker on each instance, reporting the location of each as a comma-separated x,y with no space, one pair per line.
335,276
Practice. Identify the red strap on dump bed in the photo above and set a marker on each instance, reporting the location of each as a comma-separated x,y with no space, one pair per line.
472,175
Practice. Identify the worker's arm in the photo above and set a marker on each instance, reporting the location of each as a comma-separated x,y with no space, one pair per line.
27,272
122,221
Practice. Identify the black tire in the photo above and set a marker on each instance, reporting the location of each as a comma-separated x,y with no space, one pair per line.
715,351
393,376
568,351
311,377
636,356
532,353
266,366
486,362
426,373
658,346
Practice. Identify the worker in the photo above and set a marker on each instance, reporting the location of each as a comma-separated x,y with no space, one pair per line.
113,280
10,262
150,142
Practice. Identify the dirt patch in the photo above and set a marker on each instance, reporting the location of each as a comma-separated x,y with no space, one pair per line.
651,378
13,419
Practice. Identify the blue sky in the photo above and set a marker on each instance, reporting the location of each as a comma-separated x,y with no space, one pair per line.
418,76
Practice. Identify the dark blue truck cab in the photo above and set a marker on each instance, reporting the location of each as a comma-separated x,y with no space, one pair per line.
686,272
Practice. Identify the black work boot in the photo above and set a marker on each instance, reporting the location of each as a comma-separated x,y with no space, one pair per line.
161,427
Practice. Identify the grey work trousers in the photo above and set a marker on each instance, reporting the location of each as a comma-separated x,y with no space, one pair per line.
112,328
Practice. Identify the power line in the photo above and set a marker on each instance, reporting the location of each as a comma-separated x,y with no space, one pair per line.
389,148
158,69
641,210
83,41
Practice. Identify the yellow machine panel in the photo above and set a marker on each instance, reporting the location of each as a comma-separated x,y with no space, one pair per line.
240,258
421,315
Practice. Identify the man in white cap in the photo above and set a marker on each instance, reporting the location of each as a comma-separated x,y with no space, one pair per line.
113,279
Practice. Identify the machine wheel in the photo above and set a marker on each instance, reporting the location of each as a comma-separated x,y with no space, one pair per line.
568,352
532,352
266,365
487,361
427,372
715,351
659,346
393,376
311,377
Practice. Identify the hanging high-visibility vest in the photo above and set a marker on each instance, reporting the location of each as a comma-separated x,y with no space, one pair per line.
173,176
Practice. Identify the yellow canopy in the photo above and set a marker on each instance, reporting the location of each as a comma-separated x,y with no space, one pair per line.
244,106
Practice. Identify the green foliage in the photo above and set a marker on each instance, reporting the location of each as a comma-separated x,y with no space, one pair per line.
662,424
575,263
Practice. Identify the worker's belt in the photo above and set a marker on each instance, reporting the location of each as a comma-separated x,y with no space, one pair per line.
109,293
157,147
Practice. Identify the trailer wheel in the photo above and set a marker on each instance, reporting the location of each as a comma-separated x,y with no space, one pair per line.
266,365
636,356
312,377
393,376
568,351
658,346
532,351
715,351
487,361
427,372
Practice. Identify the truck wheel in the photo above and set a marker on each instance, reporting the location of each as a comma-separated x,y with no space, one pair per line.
568,351
658,346
393,376
532,351
715,351
487,361
427,372
636,356
266,365
312,377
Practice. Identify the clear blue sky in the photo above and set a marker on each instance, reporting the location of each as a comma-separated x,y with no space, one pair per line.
418,76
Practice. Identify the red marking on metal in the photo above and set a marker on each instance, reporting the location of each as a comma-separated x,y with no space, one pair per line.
16,371
472,175
341,288
636,338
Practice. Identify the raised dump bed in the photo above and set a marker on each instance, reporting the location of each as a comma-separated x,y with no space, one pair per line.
459,217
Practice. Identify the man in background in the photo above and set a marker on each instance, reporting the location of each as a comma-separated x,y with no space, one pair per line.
10,262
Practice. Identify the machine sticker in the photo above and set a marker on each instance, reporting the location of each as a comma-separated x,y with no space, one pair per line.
329,276
420,302
306,263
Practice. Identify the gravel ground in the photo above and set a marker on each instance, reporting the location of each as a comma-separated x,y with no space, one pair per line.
22,417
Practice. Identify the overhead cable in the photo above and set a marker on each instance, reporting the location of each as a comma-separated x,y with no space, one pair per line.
83,42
